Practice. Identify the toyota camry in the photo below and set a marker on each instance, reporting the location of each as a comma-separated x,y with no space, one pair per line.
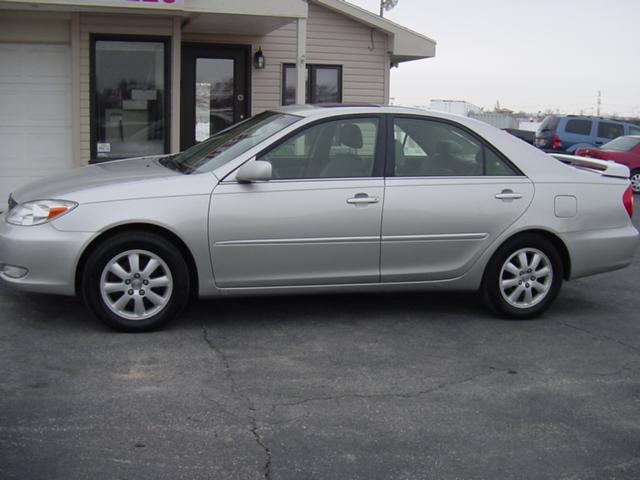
321,199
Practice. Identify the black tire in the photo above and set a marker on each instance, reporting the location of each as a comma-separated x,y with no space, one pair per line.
141,243
492,292
636,174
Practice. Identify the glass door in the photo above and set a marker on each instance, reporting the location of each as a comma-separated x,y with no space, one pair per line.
213,92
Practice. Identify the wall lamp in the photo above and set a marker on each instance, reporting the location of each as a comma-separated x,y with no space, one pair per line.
258,59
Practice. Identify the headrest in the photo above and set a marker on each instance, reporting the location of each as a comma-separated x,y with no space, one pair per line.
447,147
350,135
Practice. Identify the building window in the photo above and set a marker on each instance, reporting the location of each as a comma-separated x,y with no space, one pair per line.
324,84
129,89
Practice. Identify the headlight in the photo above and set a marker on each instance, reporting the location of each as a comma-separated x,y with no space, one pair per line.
39,212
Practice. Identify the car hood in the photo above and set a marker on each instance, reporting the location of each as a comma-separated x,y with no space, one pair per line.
142,177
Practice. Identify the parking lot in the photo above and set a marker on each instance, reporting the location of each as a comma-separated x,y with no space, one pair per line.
326,387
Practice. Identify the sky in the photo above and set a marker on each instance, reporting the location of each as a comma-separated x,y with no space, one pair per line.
528,55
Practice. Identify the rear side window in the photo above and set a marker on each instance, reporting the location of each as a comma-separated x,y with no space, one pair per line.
578,127
610,130
634,130
427,148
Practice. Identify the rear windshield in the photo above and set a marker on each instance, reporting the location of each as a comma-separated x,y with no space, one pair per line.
230,143
549,124
621,144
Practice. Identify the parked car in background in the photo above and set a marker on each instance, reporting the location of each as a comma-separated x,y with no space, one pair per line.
305,199
624,150
567,133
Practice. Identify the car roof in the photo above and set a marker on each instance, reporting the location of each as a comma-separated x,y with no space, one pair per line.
592,117
330,110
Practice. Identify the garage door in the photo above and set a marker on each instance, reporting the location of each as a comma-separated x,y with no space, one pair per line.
35,113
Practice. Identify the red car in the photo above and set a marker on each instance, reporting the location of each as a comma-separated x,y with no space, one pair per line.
624,150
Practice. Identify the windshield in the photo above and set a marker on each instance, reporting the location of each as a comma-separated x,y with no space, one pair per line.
621,144
230,143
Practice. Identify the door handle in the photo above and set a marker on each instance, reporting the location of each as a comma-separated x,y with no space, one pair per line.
508,195
362,199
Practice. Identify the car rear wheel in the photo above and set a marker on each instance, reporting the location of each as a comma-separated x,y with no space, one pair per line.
635,180
135,281
523,278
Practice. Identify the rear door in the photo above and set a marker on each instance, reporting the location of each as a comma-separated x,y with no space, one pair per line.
317,222
448,195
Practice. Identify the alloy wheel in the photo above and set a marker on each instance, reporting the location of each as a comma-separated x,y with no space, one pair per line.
635,182
526,278
136,284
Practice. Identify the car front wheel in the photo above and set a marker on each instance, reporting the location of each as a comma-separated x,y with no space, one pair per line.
135,281
523,278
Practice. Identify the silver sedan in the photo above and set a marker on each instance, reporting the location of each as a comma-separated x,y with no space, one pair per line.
333,199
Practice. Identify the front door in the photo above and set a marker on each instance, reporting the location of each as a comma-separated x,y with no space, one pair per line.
317,222
213,90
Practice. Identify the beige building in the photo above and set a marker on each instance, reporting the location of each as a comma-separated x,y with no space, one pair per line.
92,80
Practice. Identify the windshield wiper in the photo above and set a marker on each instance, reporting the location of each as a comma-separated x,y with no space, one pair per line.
171,163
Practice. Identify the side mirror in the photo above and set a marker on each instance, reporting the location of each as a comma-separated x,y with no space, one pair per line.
254,171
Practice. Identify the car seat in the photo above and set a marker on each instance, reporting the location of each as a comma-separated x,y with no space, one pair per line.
348,164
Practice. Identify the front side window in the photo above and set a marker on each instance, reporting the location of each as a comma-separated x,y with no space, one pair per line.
578,127
323,84
344,148
610,130
129,99
426,148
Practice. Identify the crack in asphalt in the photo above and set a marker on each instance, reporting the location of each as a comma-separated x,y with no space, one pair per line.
253,428
600,336
364,396
260,441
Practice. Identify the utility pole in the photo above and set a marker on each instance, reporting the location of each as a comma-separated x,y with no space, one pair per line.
599,102
387,5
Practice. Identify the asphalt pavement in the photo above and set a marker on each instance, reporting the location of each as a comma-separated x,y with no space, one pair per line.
398,386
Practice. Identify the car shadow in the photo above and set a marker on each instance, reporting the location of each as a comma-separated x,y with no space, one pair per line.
43,311
336,308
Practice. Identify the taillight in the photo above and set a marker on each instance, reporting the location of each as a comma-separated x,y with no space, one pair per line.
556,144
627,201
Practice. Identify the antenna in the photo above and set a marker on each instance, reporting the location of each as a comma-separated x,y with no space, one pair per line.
599,102
387,5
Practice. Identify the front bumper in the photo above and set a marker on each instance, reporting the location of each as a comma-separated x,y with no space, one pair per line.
49,255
